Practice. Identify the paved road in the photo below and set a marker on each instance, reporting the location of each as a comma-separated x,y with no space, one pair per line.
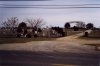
24,58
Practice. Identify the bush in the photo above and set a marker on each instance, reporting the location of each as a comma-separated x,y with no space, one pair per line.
28,36
18,35
75,28
35,35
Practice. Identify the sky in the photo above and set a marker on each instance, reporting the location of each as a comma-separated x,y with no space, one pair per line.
54,12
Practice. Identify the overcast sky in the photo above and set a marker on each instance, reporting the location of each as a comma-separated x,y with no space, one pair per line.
54,12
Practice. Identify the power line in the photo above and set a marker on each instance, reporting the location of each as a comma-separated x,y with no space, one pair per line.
25,0
53,5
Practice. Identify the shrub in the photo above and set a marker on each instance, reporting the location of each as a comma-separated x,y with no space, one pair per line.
28,36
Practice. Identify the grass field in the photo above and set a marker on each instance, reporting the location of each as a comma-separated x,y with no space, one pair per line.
95,34
23,40
11,38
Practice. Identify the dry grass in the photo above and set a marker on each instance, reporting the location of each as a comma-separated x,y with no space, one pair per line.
69,33
23,40
94,35
63,65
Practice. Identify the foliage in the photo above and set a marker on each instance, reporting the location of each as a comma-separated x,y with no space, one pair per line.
67,25
89,26
59,30
75,28
28,36
22,28
22,25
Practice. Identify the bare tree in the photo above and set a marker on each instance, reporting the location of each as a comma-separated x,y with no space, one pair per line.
81,25
10,23
36,23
